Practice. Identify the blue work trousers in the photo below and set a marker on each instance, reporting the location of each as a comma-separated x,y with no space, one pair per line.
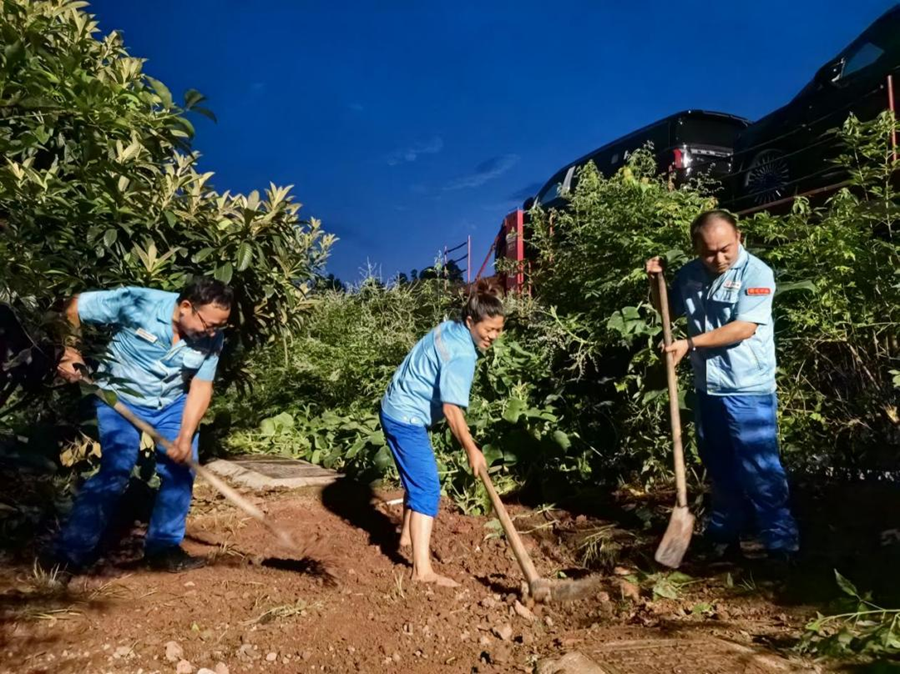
414,456
738,442
98,497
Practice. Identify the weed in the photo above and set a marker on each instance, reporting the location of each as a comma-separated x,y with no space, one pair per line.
599,548
862,628
46,581
666,584
398,593
299,608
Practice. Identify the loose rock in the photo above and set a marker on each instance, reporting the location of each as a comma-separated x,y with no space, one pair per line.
503,631
524,612
570,663
184,667
174,652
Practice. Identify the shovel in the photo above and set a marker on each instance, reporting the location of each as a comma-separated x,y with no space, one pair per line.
539,587
681,524
230,494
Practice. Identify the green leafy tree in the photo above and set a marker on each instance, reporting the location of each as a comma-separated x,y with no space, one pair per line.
100,187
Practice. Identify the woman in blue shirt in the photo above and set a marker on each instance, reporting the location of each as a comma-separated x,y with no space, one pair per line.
432,383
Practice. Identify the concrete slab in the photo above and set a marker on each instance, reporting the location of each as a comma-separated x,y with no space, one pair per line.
266,472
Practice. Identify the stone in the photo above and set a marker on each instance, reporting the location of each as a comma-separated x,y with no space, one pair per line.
122,652
174,651
489,602
272,657
570,663
500,655
184,667
523,612
204,670
503,631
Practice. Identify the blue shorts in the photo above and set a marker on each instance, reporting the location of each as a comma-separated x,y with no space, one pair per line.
415,461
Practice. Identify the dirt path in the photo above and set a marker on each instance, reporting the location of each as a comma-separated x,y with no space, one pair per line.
251,610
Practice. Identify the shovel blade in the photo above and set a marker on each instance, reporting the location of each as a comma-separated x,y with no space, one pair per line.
676,539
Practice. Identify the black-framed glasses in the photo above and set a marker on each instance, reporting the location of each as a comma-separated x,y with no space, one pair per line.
206,326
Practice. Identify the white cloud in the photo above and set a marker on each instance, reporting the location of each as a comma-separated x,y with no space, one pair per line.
410,154
485,171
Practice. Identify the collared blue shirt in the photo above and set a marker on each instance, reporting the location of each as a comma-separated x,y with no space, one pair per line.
743,293
438,370
153,371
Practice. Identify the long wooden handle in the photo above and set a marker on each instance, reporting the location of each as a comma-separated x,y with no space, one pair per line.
518,548
220,485
674,409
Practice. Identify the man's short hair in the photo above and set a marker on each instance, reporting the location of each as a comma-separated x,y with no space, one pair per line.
707,218
203,290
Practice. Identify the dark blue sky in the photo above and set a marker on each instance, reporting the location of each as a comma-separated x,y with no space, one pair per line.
406,126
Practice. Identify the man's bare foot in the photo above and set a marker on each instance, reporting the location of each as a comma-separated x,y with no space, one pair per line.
436,578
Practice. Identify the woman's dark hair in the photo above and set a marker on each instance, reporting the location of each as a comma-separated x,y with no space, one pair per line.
707,218
203,290
484,301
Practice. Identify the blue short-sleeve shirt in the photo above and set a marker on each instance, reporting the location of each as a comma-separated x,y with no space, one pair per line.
743,293
154,372
438,370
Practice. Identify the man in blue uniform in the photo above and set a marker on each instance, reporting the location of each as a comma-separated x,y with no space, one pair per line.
726,295
160,361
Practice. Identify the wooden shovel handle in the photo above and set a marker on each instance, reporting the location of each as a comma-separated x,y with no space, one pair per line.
674,409
220,485
515,542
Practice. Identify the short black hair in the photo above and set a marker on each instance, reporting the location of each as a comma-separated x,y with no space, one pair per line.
484,301
706,219
203,290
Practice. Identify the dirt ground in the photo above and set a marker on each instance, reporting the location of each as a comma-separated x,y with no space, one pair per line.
255,609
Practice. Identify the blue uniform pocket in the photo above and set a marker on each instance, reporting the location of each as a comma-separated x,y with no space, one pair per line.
754,350
720,308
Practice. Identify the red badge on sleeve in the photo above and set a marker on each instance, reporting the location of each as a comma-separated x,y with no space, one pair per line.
759,291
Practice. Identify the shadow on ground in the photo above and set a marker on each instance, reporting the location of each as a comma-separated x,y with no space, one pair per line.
354,502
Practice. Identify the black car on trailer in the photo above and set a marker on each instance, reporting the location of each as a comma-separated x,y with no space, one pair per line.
687,144
791,150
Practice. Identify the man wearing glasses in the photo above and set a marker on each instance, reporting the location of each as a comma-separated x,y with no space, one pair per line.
160,361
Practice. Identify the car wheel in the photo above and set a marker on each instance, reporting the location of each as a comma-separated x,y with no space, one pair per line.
767,177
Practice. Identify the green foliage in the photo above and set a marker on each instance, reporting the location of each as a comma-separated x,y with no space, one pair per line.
574,393
662,585
838,325
591,274
836,311
100,188
861,628
327,387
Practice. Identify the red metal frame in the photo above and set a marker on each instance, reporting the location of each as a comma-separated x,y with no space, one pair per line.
487,258
514,232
